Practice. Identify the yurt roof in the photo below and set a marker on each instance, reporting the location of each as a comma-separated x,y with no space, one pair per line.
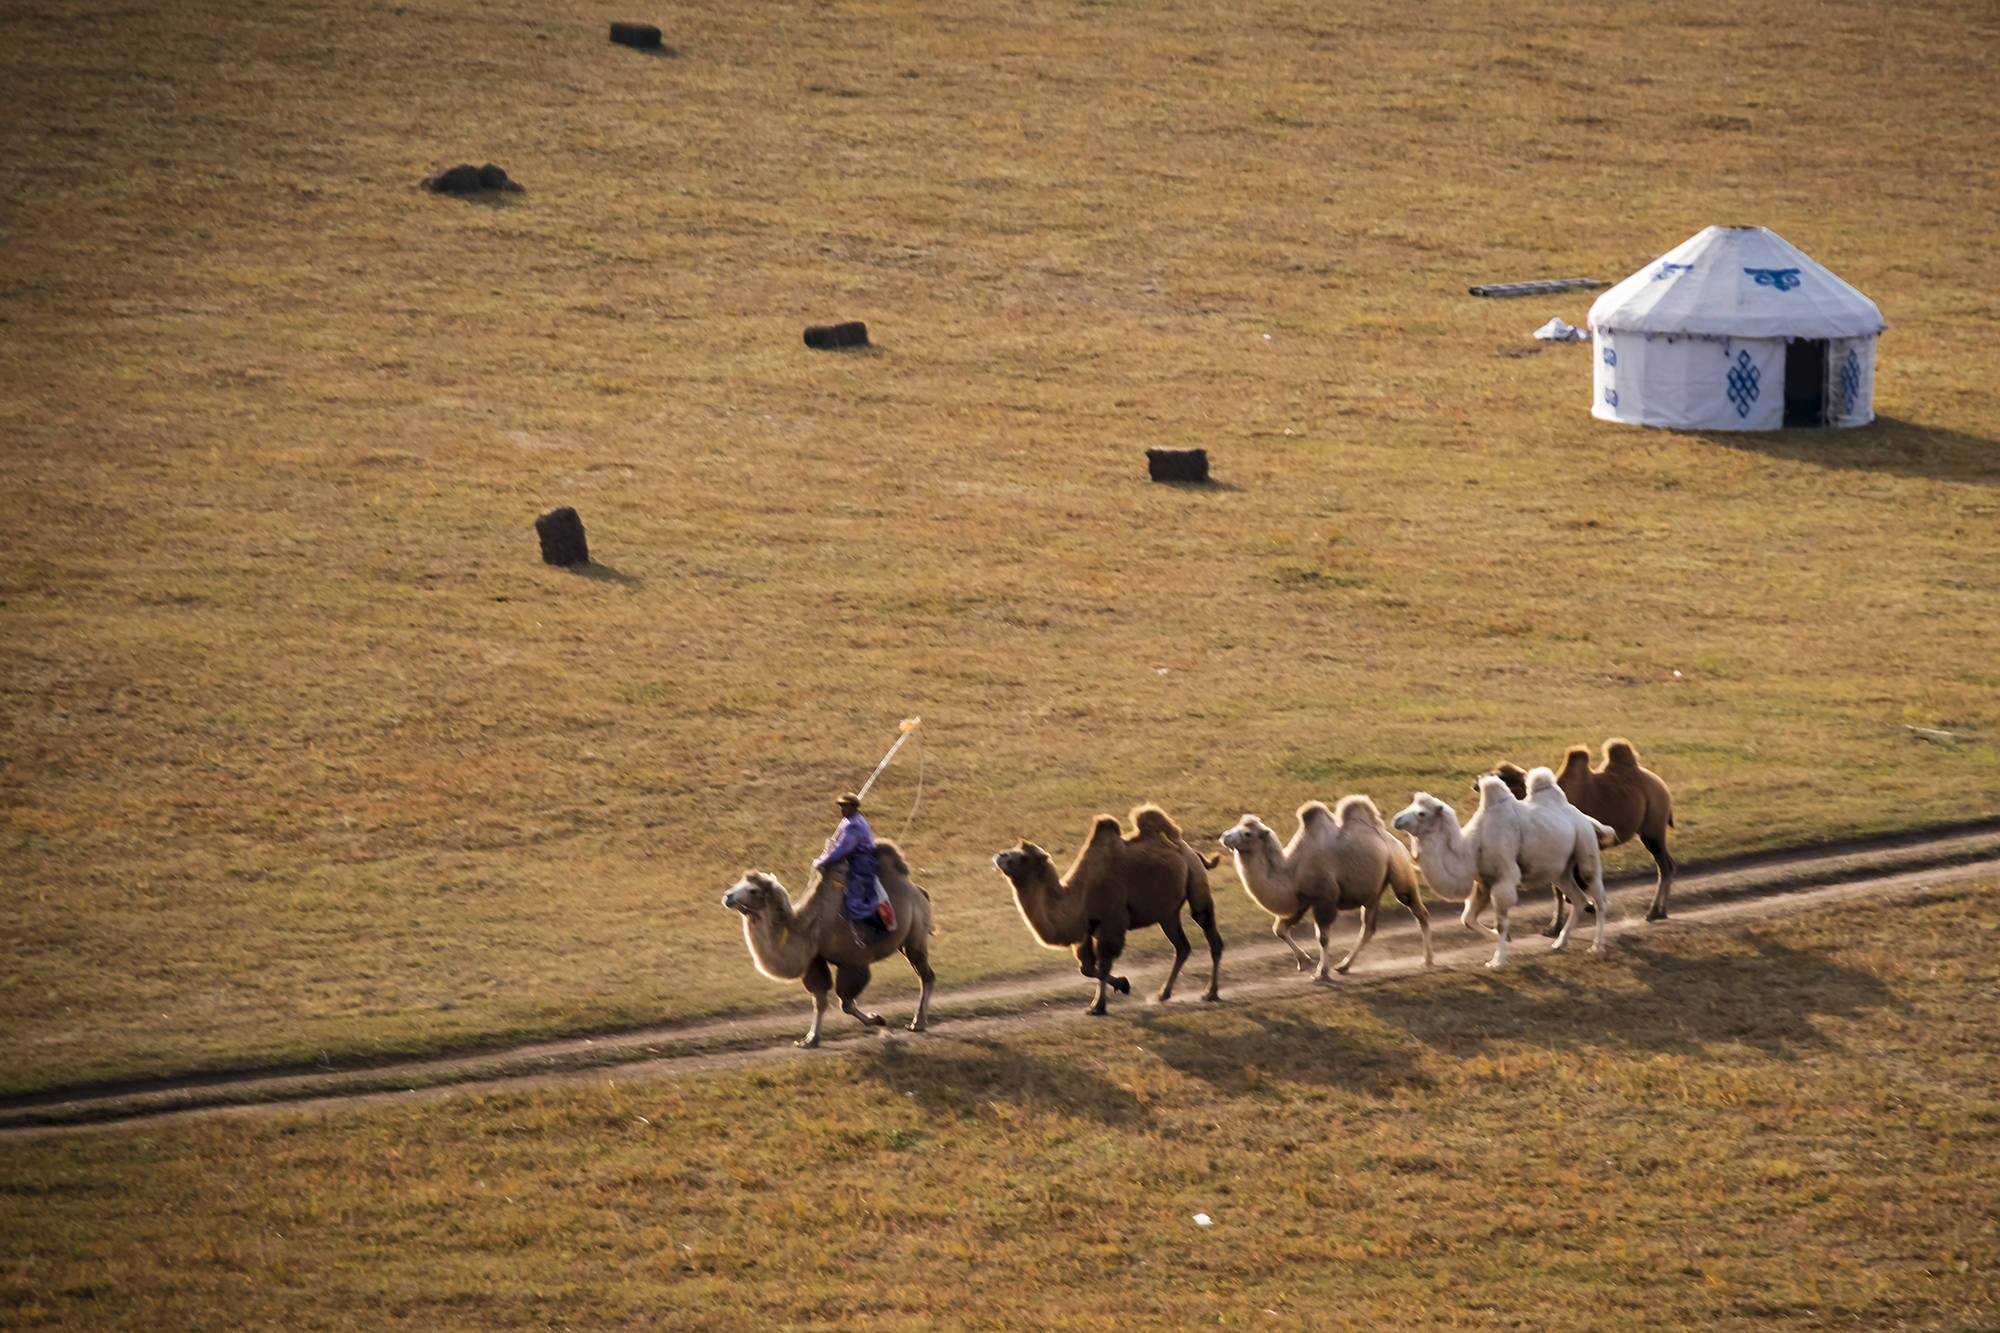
1737,282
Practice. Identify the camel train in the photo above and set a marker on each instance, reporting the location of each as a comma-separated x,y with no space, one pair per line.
1532,828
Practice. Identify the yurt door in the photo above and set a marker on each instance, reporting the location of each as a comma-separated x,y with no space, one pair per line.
1805,382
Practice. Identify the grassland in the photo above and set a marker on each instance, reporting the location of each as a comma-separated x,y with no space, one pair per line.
309,758
1785,1124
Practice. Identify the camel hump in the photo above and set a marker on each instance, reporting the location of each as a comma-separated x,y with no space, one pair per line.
1106,827
1148,819
888,856
1493,791
1357,812
1618,753
1541,780
1313,814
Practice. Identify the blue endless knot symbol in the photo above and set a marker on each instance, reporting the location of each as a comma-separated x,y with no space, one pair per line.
1850,383
1784,279
1668,270
1610,356
1611,397
1742,379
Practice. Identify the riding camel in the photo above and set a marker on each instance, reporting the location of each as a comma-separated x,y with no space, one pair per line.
1117,883
1339,858
812,942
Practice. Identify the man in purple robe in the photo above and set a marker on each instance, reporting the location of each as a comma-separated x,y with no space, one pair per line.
866,905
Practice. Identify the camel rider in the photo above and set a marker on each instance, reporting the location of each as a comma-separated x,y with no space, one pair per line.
865,902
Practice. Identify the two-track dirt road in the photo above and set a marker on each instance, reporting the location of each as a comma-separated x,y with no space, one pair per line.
1759,885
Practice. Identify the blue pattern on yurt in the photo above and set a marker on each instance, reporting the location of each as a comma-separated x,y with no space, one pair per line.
1668,270
1610,356
1784,279
1850,383
1610,397
1742,380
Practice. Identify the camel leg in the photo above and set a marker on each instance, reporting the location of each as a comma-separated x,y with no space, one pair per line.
848,983
1282,928
1086,963
1475,903
1413,899
1603,908
920,963
1369,912
1555,926
1105,947
1176,936
818,981
1505,894
1323,915
1205,918
1665,885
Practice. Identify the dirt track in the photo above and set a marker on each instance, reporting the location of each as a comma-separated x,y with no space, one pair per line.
1762,884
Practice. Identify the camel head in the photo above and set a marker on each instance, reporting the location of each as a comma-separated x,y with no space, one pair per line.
1024,863
1246,833
1424,814
756,894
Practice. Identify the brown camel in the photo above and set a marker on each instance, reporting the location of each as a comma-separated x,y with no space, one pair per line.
1629,798
812,942
1339,858
1117,882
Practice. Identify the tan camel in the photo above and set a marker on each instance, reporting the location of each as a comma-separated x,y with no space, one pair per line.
1339,858
812,942
1117,883
1629,798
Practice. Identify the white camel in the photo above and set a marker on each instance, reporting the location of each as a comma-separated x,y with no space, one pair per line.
1339,858
1506,843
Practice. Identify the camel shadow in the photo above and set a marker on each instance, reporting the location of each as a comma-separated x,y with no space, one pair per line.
965,1084
605,574
1288,1048
1768,998
1901,448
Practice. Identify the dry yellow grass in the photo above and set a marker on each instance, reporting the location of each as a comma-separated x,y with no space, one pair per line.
1782,1125
309,756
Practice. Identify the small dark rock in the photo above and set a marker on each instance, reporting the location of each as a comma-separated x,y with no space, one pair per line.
1177,464
853,333
461,179
644,36
561,532
468,179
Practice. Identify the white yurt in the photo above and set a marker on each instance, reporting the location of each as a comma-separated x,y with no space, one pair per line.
1734,329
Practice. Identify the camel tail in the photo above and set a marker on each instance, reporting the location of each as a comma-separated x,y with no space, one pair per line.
1618,753
1151,819
1357,812
1207,862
